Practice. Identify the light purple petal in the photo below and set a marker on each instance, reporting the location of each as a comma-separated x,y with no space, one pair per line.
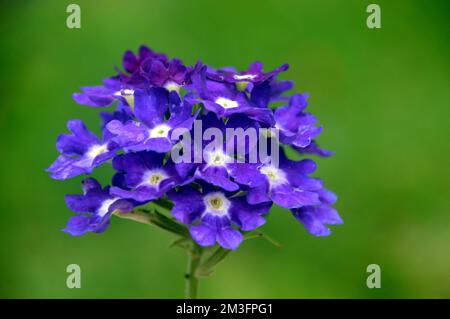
229,238
203,235
288,197
150,105
217,176
78,225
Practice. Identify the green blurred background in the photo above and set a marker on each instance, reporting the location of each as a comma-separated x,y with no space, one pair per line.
382,96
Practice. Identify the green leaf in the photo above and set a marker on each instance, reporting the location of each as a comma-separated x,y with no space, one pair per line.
170,223
181,242
137,216
207,266
163,203
260,234
155,218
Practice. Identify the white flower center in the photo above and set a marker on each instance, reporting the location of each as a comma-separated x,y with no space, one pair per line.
216,204
161,130
172,86
217,158
274,175
97,150
226,103
104,208
244,76
153,178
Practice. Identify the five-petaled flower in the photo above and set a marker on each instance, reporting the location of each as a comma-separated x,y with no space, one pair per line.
212,213
94,208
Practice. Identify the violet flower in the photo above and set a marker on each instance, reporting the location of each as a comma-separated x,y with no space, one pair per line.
212,213
94,208
143,176
151,131
80,151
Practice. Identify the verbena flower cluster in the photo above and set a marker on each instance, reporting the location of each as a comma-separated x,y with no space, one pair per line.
217,198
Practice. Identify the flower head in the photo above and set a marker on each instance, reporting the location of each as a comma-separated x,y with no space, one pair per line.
224,192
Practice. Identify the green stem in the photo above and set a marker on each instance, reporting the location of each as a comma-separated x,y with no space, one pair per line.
197,266
155,218
137,216
194,257
163,205
206,268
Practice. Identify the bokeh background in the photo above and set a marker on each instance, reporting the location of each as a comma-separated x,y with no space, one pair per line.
382,96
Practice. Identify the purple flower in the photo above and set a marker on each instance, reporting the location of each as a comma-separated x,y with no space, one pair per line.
121,87
80,151
224,99
143,176
171,75
94,208
133,65
315,218
296,127
104,95
263,88
228,183
287,184
314,149
278,88
253,74
220,158
151,131
212,213
121,115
